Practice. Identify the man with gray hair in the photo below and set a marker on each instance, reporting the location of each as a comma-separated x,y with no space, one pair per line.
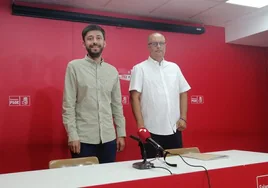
158,92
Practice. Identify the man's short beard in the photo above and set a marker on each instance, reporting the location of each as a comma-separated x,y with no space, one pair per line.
94,54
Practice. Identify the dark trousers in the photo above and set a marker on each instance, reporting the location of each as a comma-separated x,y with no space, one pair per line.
166,141
105,152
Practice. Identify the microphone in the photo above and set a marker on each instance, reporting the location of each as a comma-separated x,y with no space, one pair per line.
145,136
144,164
135,138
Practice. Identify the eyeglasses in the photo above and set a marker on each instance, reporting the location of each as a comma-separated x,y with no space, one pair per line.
155,44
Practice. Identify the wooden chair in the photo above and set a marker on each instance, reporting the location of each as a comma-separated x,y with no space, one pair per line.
181,151
73,162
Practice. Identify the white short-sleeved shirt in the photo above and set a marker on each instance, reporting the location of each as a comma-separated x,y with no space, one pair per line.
160,85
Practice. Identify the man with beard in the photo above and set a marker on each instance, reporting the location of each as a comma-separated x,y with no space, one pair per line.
159,97
92,101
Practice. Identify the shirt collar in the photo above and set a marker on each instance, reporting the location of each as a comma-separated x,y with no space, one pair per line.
156,62
87,58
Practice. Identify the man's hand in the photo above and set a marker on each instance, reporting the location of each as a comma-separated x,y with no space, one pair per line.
75,146
181,125
120,142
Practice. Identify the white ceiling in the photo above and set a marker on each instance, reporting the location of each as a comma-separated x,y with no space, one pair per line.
207,12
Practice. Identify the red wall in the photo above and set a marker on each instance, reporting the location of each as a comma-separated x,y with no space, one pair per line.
266,90
33,58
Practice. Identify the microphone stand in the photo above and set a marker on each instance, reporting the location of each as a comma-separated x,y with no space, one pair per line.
162,152
144,164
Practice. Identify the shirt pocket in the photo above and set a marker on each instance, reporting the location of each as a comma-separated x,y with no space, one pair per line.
107,84
172,82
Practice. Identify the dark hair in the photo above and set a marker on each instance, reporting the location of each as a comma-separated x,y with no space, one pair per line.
92,28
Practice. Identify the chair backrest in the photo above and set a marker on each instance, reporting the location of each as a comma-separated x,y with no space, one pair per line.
181,151
73,162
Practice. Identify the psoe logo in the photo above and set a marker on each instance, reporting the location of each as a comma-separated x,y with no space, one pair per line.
263,186
125,99
262,181
19,101
197,99
124,74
